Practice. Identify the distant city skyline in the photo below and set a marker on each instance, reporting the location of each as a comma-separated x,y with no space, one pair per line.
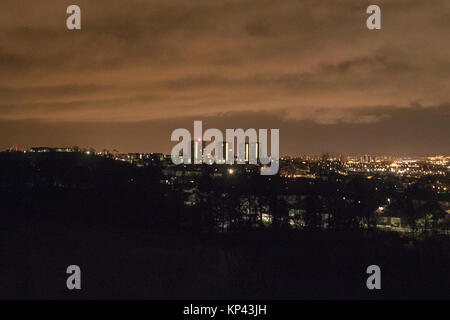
330,155
410,132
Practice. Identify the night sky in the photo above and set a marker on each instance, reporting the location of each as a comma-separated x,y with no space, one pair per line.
140,69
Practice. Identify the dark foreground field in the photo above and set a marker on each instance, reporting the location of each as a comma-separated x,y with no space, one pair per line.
133,237
123,263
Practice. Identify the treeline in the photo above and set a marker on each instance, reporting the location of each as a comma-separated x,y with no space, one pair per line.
75,188
138,234
350,203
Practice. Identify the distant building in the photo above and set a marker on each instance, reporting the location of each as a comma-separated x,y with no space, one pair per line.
48,149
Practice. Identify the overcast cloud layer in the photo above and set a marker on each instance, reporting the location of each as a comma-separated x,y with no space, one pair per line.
157,65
